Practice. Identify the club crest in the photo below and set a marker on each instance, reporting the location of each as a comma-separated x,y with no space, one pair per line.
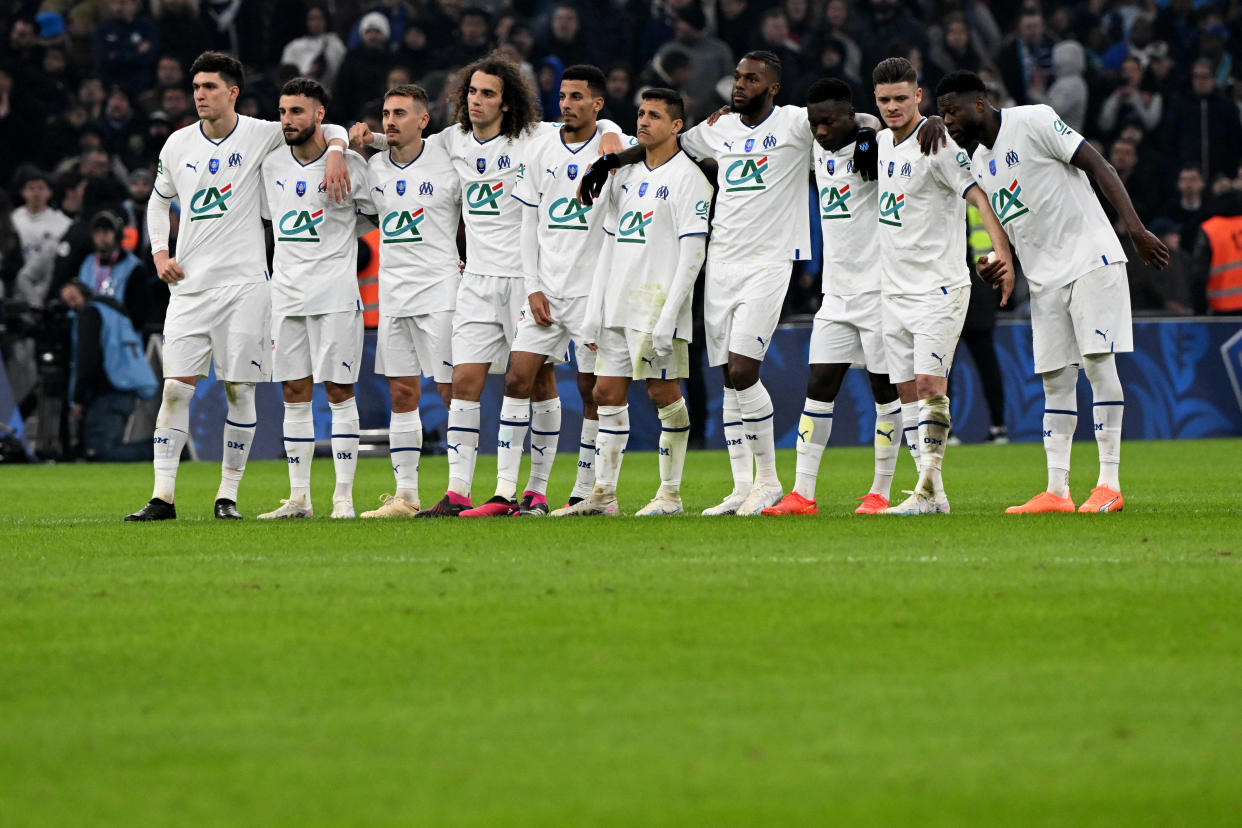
992,166
480,164
401,187
891,166
832,166
300,188
213,166
642,189
750,144
572,171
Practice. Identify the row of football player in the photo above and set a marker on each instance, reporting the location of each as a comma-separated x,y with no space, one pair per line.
624,304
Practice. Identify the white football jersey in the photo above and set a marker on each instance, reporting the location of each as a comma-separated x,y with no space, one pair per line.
315,266
762,214
646,213
1046,205
569,233
922,215
847,216
419,208
220,238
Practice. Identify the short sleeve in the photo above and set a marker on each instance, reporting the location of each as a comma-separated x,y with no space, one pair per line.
694,142
800,132
1049,133
526,189
360,175
693,205
164,184
607,205
952,166
272,134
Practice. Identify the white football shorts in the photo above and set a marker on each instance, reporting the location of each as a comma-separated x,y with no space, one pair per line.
555,340
407,346
626,352
1089,316
921,331
229,325
742,307
850,329
324,346
485,319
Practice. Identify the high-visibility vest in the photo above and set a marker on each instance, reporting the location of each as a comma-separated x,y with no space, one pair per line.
977,238
368,282
1224,287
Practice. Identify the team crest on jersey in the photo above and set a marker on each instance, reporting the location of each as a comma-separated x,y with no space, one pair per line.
1011,159
891,205
483,199
1007,203
213,166
426,189
746,174
633,227
832,166
892,165
992,166
210,203
642,189
300,226
323,187
401,227
480,164
849,165
502,163
571,171
906,170
568,214
834,203
235,160
662,193
769,141
400,186
750,145
300,188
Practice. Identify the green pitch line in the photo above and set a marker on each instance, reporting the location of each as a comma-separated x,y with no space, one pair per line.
970,669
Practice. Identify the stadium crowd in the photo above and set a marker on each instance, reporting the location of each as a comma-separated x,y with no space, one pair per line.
90,90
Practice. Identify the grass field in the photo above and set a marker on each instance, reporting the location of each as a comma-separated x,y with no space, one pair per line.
972,669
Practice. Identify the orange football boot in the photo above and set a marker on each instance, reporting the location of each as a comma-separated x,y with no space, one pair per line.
1043,503
1103,499
793,504
872,504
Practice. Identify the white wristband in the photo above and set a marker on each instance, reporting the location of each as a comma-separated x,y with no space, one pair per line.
335,148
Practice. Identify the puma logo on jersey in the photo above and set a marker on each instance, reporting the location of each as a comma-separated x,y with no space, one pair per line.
939,359
193,166
280,184
256,365
1103,334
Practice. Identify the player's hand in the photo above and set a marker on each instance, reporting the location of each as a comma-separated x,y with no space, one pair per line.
717,115
336,177
866,154
167,268
596,177
610,142
540,309
1150,247
461,267
933,135
662,337
359,136
997,270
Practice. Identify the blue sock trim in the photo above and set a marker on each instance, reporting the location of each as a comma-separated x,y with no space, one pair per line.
1121,402
1060,411
459,428
299,439
759,419
545,433
610,431
587,446
738,423
346,436
405,448
933,422
522,423
827,416
667,428
227,421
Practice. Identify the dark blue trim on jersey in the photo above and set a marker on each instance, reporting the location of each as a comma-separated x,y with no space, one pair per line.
488,141
913,132
227,421
561,132
402,167
1076,149
967,190
823,416
157,189
1060,411
909,428
1119,402
298,439
527,203
944,290
203,132
405,448
756,126
345,436
670,158
758,419
312,161
1104,258
688,235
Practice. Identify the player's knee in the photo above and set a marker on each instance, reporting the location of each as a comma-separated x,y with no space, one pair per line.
544,386
338,393
882,390
404,398
743,371
928,386
240,396
662,394
824,383
517,386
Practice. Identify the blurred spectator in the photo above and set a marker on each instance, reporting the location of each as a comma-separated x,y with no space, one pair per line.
1069,93
1208,125
839,26
170,72
317,54
125,47
39,226
181,33
111,270
548,87
564,38
891,30
397,14
92,94
736,22
774,37
827,59
619,103
710,60
1190,210
1212,42
176,104
1160,291
471,39
10,247
1176,23
118,122
234,26
1138,45
671,71
1134,98
364,69
1026,60
414,52
956,48
801,18
1124,156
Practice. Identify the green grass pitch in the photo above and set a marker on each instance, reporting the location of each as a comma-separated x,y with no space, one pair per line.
971,669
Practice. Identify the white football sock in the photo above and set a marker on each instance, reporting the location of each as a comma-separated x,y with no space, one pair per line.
910,431
345,436
586,459
1108,406
934,424
741,461
614,434
405,451
172,429
462,441
510,440
1060,420
239,426
674,436
756,407
887,434
299,450
814,429
545,433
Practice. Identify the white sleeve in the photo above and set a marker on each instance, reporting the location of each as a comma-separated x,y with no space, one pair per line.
530,248
692,141
691,250
332,132
158,224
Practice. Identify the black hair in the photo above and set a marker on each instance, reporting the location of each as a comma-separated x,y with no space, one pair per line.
672,100
961,82
894,70
309,87
767,58
594,78
223,64
829,89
